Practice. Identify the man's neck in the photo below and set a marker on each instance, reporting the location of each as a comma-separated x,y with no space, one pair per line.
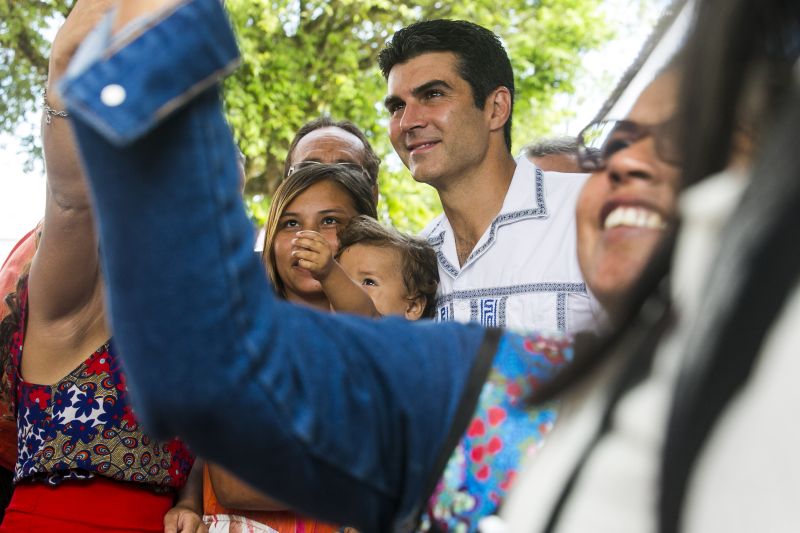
472,204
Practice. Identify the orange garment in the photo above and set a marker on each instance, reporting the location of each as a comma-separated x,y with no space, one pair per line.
281,521
14,265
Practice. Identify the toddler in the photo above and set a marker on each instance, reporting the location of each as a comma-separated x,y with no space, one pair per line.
376,272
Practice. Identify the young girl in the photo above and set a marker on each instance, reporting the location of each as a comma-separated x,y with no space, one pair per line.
84,463
320,198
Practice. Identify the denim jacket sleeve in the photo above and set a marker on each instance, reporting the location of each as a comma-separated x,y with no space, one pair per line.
342,418
191,52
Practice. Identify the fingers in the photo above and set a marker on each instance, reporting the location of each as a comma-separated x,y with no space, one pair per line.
131,9
82,18
309,260
171,520
182,520
311,240
191,523
311,244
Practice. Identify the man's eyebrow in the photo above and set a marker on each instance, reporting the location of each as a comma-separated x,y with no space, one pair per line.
393,100
430,85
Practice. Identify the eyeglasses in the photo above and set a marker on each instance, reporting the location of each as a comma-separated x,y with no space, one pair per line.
352,167
602,139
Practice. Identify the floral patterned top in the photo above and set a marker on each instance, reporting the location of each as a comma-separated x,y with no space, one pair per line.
503,431
84,426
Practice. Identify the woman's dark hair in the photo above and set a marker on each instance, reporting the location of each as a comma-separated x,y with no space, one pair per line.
355,184
738,69
482,60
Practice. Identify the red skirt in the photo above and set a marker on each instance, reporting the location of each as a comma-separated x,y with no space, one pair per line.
86,506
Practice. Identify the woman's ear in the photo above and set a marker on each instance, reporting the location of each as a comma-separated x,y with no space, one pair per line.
415,307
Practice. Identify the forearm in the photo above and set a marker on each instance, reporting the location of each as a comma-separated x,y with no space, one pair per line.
191,495
68,243
346,296
234,493
130,10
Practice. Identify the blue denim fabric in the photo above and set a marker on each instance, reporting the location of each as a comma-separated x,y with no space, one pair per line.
340,417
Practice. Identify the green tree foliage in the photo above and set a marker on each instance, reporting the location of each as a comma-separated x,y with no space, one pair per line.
302,59
24,50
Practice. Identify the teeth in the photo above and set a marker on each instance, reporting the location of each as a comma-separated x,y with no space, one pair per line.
634,217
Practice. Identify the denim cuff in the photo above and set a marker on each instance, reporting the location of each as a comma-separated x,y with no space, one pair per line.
126,86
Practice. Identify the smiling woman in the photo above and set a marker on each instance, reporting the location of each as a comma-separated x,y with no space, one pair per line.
629,200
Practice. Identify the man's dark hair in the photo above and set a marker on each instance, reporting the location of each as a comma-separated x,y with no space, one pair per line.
419,268
552,146
371,162
482,60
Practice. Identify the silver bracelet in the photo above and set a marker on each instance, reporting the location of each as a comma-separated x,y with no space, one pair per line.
50,112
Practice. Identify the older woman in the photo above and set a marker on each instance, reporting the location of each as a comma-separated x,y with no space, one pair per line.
78,440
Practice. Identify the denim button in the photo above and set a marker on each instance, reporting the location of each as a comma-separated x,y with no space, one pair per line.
113,95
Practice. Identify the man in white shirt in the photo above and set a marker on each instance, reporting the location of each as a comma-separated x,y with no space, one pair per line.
506,241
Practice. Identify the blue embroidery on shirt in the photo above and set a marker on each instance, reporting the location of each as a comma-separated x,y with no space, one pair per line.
446,313
561,311
540,211
490,312
436,242
511,290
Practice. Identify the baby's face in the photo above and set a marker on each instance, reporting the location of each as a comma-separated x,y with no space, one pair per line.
378,270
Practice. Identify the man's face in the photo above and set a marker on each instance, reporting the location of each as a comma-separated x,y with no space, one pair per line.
434,125
329,145
623,210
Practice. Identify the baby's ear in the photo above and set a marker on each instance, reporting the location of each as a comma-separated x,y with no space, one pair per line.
415,306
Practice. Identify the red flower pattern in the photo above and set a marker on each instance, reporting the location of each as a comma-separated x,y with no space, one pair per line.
66,433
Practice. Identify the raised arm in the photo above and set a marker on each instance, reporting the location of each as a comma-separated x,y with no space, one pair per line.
66,318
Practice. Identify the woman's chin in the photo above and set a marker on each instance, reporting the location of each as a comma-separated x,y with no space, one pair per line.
308,290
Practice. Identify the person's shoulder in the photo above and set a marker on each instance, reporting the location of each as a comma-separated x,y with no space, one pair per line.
570,179
433,228
564,183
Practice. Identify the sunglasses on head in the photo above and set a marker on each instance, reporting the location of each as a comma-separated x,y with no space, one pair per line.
353,167
600,140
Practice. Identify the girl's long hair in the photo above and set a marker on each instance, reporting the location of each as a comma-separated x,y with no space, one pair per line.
355,183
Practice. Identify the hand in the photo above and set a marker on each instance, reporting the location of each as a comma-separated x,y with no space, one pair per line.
183,519
84,16
132,9
313,253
